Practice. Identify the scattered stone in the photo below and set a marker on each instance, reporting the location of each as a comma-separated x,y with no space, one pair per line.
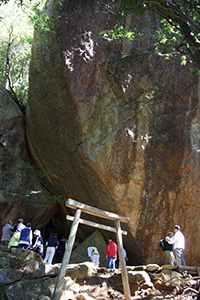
82,270
8,276
84,296
36,281
168,267
153,268
139,277
136,268
67,295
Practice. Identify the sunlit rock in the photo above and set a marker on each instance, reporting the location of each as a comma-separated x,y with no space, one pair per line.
116,125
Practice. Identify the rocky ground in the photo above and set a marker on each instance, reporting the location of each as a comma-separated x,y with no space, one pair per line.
23,275
106,286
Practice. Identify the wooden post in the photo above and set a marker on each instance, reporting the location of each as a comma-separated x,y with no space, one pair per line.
122,262
198,271
66,257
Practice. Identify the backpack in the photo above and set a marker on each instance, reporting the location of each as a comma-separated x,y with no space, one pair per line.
162,244
94,250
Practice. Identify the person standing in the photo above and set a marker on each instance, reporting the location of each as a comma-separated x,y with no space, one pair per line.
118,259
93,254
62,245
6,234
26,236
52,244
38,245
17,228
111,254
125,255
168,248
178,240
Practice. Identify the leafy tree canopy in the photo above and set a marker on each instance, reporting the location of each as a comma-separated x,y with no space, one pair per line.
16,33
180,24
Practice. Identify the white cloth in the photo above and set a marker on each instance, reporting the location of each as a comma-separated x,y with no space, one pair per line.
170,257
50,252
95,259
178,240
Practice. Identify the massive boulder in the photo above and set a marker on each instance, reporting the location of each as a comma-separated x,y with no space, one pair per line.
116,125
80,254
19,186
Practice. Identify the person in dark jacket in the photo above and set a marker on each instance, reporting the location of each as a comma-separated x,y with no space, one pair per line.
168,248
52,244
26,236
60,250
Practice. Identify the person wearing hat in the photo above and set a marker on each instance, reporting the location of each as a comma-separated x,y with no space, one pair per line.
178,241
168,248
38,245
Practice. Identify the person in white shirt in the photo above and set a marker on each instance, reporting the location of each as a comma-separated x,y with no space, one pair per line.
93,254
178,240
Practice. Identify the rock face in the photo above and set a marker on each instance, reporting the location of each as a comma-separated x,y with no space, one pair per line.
117,125
17,180
79,254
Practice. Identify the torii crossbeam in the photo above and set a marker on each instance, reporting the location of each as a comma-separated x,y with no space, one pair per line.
80,207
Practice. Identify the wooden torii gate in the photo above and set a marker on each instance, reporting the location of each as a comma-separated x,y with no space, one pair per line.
80,207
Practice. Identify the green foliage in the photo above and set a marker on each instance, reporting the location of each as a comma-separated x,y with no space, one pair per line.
166,35
17,21
150,95
42,22
15,38
3,263
119,33
183,60
42,196
179,30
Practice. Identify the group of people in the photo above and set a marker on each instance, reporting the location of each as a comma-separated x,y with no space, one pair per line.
55,248
21,236
174,245
111,254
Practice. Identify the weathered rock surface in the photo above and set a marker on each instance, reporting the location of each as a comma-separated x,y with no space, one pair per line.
17,179
119,132
79,254
116,125
23,275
